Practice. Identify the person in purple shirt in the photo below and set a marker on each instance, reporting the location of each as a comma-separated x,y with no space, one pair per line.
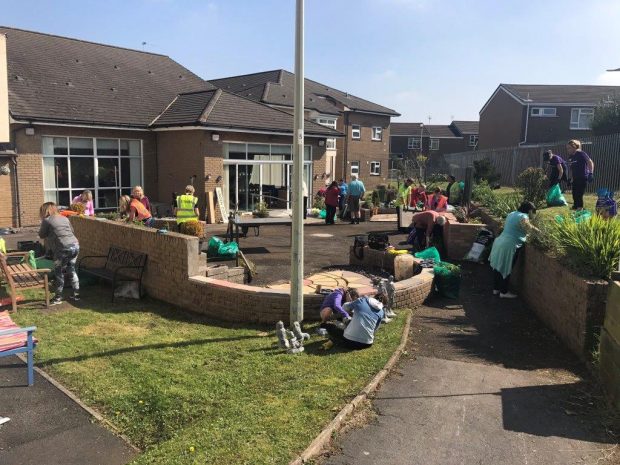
582,170
332,306
559,169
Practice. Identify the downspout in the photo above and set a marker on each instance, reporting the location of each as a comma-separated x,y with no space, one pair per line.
17,201
346,146
527,120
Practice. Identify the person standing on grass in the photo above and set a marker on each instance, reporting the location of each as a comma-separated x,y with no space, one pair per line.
559,170
507,246
582,171
343,197
86,199
425,226
331,202
356,195
59,237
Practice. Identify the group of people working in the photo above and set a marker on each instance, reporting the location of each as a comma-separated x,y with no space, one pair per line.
418,199
343,197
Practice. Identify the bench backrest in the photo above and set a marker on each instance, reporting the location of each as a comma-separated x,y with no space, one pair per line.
123,257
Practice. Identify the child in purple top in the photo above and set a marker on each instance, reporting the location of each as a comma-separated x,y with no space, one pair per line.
332,308
582,170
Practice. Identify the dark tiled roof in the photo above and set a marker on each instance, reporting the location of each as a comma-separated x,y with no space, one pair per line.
226,110
581,95
278,88
413,129
59,79
466,127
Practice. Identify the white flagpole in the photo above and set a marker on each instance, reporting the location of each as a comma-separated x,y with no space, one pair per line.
297,250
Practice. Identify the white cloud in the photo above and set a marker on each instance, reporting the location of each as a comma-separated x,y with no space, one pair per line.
608,79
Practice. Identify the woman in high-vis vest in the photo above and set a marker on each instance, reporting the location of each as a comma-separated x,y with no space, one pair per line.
186,209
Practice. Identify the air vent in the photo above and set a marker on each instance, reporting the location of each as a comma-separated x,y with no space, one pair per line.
77,60
113,89
69,84
117,67
19,78
150,72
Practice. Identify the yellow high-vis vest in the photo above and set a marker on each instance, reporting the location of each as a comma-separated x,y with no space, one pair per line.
185,208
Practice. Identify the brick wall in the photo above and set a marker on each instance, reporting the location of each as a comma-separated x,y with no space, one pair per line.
400,266
610,346
7,196
571,306
459,237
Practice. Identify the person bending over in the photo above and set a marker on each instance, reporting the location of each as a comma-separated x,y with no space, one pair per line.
425,226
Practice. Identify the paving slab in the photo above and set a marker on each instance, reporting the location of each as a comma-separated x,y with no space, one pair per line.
48,428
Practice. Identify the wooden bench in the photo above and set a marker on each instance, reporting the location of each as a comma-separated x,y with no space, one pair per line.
15,340
120,265
20,276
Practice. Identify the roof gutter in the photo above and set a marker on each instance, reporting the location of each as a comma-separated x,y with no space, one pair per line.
241,130
77,125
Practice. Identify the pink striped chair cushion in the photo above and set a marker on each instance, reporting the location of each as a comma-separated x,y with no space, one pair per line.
11,341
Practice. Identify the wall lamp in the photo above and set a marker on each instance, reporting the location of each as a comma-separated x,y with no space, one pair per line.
218,179
207,177
323,175
315,177
321,142
215,137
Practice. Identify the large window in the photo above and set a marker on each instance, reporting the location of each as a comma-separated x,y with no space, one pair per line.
330,123
543,111
581,118
413,143
356,131
473,140
434,144
377,132
375,168
107,167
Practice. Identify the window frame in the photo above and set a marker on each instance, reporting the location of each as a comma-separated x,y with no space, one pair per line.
120,188
541,112
354,128
330,142
375,164
355,164
379,131
580,112
434,144
412,145
474,138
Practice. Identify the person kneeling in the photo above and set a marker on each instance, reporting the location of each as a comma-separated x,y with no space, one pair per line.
359,333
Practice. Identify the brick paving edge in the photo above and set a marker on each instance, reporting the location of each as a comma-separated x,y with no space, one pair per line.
323,440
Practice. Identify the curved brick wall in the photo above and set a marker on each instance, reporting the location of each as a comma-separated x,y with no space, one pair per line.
175,274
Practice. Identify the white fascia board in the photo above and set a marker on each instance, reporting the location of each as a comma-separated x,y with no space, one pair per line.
71,125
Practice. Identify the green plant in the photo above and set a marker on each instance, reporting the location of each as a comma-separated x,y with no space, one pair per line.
318,202
484,169
532,183
482,192
108,215
504,204
592,247
375,199
606,118
192,228
261,210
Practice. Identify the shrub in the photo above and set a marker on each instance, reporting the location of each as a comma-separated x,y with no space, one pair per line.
192,228
607,118
484,170
108,215
482,193
261,210
375,198
592,246
532,183
318,202
502,205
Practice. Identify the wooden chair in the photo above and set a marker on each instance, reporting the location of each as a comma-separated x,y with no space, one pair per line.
20,276
15,340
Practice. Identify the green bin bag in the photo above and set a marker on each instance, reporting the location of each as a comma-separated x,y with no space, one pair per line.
214,246
555,198
448,280
429,253
582,216
228,250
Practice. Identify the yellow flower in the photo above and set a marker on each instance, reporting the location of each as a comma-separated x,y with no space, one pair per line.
140,401
191,448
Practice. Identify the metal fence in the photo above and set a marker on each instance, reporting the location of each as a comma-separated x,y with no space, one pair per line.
510,162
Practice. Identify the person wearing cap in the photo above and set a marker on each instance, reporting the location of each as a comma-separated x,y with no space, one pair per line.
425,225
356,194
559,170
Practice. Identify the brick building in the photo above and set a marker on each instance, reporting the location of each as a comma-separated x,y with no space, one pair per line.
408,140
365,148
524,115
92,116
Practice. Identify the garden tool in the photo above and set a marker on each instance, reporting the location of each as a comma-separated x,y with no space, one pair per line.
301,336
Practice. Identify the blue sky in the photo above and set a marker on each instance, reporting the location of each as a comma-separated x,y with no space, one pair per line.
420,57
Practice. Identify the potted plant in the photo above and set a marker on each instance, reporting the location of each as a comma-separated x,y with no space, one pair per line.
261,210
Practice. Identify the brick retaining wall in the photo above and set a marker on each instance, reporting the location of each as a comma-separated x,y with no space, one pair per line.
610,346
459,237
175,273
571,306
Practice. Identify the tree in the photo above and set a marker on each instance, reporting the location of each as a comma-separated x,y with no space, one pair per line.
484,169
607,117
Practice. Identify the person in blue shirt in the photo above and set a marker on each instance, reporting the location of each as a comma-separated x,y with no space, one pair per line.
343,196
359,332
356,194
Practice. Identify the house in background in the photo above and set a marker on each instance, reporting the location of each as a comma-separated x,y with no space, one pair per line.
365,148
91,116
408,140
519,114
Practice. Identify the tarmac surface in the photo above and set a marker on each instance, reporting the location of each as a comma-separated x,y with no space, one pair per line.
484,383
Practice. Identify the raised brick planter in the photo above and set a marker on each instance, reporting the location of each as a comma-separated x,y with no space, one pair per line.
610,346
400,266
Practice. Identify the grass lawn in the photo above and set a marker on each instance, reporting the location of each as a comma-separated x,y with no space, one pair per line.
187,390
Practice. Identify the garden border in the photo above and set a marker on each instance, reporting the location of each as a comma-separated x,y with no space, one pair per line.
322,441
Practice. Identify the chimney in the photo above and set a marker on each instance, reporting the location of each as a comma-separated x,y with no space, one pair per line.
5,135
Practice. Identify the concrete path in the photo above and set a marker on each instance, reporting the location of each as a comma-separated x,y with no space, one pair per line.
484,384
48,428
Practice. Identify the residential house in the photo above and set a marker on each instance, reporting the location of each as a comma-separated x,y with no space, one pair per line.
365,148
408,140
91,116
519,114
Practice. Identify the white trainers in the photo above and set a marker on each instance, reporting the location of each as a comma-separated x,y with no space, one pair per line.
508,295
390,313
385,319
495,292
